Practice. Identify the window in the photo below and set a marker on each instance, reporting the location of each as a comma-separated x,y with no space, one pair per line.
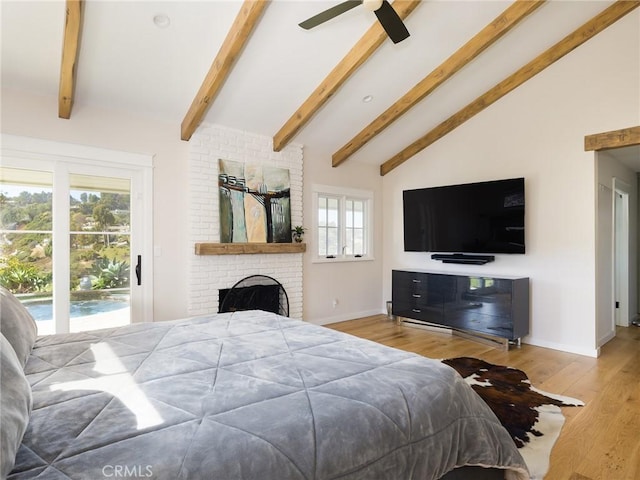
342,223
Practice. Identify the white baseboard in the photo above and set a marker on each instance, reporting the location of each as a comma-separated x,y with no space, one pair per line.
346,316
609,336
588,352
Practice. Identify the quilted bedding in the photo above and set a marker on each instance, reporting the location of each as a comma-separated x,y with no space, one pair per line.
249,395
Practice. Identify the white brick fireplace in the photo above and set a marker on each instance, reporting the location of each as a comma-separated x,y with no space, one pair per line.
209,273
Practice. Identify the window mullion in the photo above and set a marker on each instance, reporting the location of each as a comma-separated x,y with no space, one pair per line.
326,228
61,248
343,225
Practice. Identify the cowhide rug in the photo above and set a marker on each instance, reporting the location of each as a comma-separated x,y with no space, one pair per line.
532,417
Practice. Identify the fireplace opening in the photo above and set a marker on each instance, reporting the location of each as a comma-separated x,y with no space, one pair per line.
256,292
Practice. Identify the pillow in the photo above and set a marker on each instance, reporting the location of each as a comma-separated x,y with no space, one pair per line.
15,406
17,325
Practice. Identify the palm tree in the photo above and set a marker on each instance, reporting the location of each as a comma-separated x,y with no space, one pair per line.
103,218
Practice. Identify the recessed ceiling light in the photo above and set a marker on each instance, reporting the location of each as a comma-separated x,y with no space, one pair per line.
161,20
367,98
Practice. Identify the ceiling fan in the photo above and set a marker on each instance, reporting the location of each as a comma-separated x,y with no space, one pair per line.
387,16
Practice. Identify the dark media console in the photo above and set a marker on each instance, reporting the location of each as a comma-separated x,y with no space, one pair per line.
463,258
494,308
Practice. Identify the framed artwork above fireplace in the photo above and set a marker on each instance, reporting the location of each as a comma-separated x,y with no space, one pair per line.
254,203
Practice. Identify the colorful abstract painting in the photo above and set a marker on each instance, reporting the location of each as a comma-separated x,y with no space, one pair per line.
255,203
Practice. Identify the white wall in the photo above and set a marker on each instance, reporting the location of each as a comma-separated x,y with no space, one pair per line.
33,116
537,131
356,285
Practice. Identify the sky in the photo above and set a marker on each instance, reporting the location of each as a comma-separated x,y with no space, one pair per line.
15,190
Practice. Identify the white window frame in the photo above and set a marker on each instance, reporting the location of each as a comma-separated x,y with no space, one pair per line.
64,158
343,194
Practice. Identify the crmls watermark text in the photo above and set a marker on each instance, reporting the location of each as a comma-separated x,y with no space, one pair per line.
127,471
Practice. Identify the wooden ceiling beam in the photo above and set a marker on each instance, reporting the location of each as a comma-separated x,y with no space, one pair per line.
360,53
594,26
70,50
502,24
624,137
235,41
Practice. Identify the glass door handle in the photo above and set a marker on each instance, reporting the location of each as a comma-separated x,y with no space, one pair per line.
139,270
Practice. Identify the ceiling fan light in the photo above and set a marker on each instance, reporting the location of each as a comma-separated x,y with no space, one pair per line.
372,5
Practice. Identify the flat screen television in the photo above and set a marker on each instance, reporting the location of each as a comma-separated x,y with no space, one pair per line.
484,217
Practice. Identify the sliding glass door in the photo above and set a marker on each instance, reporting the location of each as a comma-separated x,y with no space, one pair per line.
72,242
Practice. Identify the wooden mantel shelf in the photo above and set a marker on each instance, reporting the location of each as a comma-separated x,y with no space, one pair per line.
248,248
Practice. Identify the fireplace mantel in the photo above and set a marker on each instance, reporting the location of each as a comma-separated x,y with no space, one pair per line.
248,248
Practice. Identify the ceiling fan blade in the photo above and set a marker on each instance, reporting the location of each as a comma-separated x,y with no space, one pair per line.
391,22
329,14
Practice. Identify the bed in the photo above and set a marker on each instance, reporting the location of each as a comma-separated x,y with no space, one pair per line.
242,395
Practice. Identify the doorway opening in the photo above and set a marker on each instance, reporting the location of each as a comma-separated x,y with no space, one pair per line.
621,193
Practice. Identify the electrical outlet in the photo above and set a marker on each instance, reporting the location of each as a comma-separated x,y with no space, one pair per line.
334,303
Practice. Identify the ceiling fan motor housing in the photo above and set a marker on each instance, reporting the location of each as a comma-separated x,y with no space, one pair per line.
372,5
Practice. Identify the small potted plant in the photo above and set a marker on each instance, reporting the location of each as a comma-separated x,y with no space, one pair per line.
298,232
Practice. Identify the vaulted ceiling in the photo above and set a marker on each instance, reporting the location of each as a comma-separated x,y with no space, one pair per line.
248,65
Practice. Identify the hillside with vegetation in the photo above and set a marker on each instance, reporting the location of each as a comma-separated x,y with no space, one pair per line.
99,241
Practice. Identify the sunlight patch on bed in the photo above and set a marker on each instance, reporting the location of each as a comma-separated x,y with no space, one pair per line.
116,381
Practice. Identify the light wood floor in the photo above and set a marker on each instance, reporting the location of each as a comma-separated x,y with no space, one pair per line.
600,441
